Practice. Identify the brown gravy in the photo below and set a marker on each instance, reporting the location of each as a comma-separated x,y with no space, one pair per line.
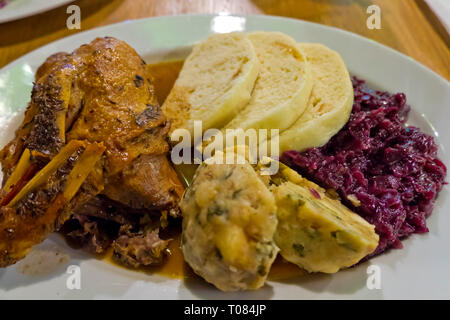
164,75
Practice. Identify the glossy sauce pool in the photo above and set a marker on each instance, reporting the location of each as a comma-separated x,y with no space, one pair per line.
164,75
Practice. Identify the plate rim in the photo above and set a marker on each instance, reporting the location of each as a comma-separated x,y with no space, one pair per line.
27,14
212,15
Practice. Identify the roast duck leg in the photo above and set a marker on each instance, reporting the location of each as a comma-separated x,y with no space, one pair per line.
93,129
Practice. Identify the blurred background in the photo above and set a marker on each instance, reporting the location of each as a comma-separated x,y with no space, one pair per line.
418,28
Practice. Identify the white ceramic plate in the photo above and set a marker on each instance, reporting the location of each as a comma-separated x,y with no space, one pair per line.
420,270
18,9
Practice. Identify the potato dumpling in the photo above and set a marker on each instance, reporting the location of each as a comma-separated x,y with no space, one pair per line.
229,219
316,231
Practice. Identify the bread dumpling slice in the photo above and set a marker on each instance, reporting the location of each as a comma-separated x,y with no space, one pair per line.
229,219
215,82
283,85
329,105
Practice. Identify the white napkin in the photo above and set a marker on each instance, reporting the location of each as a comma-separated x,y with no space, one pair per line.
442,10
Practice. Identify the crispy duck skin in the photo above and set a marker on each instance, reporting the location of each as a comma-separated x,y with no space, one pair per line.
99,95
32,213
120,109
46,100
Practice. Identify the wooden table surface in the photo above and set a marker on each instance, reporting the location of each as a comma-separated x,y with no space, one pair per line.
407,25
